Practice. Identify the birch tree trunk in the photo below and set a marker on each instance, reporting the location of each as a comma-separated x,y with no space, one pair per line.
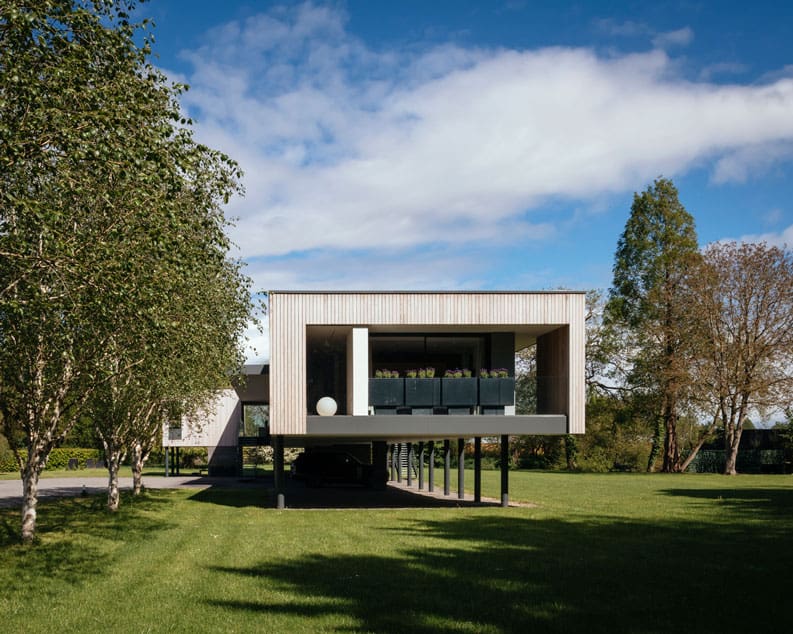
113,456
137,468
30,490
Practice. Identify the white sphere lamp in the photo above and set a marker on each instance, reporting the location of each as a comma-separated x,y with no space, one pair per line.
326,406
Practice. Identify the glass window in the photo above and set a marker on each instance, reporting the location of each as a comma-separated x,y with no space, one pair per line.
255,417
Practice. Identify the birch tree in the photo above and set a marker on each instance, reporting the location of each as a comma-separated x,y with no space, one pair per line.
97,167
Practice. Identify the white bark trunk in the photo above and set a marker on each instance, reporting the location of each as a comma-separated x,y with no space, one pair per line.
137,468
112,484
30,491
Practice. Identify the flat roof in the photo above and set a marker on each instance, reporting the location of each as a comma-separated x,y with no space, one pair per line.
552,292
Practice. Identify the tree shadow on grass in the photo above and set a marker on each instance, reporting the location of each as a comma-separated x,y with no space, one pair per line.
71,535
300,496
491,571
766,503
236,498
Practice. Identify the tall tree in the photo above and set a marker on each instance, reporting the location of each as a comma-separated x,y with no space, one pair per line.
741,300
654,252
100,185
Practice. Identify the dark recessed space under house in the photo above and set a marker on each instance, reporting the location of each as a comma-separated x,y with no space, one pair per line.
397,377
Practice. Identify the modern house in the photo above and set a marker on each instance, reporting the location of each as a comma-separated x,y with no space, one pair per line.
338,345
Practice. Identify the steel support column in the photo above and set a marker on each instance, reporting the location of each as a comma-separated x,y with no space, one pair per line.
431,483
447,466
477,469
421,466
399,462
394,463
278,471
505,471
460,468
410,464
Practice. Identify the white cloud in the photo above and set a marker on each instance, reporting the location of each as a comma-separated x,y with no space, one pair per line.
740,164
773,216
782,238
626,28
669,39
257,343
722,68
346,147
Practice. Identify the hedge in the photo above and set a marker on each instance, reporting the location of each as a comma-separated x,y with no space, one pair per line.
59,458
749,461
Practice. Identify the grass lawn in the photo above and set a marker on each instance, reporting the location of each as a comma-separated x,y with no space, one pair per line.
599,553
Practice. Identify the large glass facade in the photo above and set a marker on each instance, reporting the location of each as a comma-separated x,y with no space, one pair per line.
442,352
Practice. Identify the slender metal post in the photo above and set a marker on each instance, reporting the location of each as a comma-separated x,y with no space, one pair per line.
504,470
432,467
399,462
178,466
410,464
394,462
447,466
478,469
421,466
278,471
460,468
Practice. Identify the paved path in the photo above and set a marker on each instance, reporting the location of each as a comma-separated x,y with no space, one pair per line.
11,490
298,496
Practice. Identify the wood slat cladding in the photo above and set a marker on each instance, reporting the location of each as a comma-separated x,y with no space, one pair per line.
292,312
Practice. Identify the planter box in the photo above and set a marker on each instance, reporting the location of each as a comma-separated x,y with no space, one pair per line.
459,392
387,392
497,392
423,392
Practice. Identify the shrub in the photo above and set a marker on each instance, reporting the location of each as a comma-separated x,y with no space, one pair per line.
59,458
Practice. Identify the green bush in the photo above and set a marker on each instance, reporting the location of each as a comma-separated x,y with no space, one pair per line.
749,461
59,458
6,455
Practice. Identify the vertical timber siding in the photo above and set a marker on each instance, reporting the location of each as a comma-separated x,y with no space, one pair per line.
292,312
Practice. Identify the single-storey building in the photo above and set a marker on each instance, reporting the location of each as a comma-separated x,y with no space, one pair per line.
382,370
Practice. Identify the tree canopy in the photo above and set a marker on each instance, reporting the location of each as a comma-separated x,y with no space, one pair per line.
654,252
112,236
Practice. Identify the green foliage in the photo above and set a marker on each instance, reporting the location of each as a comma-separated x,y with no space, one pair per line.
58,458
748,461
654,252
617,436
6,454
117,294
83,434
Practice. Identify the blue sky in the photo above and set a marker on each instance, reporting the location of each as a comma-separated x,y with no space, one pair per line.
482,145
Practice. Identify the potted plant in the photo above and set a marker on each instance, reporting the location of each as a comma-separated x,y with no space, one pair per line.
458,391
386,391
496,388
423,391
